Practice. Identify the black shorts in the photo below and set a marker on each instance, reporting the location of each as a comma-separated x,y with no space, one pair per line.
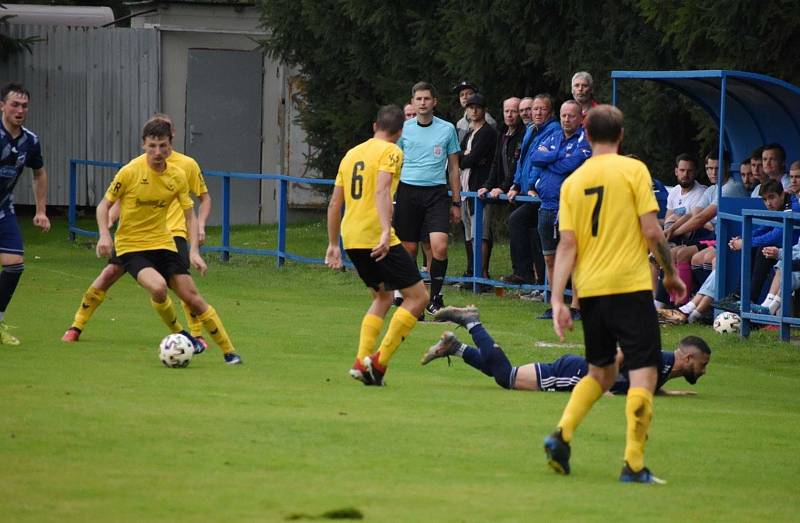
396,271
421,209
628,320
167,263
180,243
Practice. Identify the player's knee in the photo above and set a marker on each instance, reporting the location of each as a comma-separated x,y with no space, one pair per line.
159,293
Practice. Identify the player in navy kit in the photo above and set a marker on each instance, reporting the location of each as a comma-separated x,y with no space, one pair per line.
688,361
19,148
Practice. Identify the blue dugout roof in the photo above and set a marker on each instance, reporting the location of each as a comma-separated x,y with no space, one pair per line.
756,109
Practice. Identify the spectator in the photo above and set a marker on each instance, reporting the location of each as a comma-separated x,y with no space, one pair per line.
582,91
757,168
526,250
794,177
556,157
430,147
749,179
409,111
773,159
475,161
526,111
687,193
507,151
464,90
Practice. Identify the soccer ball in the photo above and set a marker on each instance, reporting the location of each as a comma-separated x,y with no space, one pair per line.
176,351
727,322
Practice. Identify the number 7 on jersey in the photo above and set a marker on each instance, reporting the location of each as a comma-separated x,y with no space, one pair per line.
597,205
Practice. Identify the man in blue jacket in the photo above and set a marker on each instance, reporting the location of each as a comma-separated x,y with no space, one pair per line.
557,157
526,251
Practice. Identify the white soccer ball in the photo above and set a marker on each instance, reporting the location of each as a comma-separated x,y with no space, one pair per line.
727,322
176,351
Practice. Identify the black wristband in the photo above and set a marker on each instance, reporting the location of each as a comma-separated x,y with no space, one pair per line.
456,204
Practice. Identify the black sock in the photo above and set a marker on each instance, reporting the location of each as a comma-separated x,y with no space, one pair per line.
470,259
9,278
437,271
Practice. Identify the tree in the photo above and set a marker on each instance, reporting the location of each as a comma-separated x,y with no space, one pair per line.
10,45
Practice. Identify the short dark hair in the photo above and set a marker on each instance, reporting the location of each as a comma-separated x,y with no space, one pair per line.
13,88
390,118
770,186
746,162
603,123
424,86
776,147
157,128
685,157
695,341
161,117
713,154
756,154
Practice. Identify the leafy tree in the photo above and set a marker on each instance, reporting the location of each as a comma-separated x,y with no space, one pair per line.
356,55
10,45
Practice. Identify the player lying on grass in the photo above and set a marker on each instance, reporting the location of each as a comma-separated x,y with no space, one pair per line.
688,361
145,244
113,271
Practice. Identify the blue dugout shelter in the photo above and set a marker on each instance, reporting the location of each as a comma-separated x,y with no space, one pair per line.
750,110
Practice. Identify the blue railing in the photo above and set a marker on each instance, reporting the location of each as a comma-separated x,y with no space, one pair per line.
789,221
226,249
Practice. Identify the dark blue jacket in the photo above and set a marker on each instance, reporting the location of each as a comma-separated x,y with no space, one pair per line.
558,158
526,172
764,236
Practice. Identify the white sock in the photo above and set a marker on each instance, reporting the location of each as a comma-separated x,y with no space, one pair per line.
768,300
471,324
397,294
688,308
659,304
694,316
775,306
460,350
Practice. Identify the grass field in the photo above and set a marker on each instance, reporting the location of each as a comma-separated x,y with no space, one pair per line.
101,431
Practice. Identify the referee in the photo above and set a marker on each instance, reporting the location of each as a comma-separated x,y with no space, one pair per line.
606,198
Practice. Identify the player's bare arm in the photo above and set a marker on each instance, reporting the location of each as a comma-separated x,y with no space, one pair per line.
40,219
333,256
455,186
104,243
203,212
195,259
651,230
113,213
383,203
565,261
696,221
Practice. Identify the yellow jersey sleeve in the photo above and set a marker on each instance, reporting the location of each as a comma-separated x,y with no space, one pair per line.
566,221
643,191
118,185
391,162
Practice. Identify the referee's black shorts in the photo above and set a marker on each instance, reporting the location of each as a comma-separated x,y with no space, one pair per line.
419,209
396,271
629,320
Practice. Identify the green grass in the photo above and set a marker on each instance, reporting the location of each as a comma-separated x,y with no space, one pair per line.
101,431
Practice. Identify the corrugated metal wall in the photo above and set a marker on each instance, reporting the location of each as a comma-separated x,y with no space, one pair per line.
91,90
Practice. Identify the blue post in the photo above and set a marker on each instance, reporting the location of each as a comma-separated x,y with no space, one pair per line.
477,241
786,275
614,92
747,236
226,218
73,199
283,205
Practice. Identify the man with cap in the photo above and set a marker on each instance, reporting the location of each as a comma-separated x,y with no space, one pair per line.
464,90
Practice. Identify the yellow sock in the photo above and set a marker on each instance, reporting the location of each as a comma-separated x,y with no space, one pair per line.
370,329
639,413
195,325
212,323
401,324
168,314
92,299
583,396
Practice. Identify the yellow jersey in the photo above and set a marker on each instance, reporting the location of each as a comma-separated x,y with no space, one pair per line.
145,197
601,202
358,177
176,219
